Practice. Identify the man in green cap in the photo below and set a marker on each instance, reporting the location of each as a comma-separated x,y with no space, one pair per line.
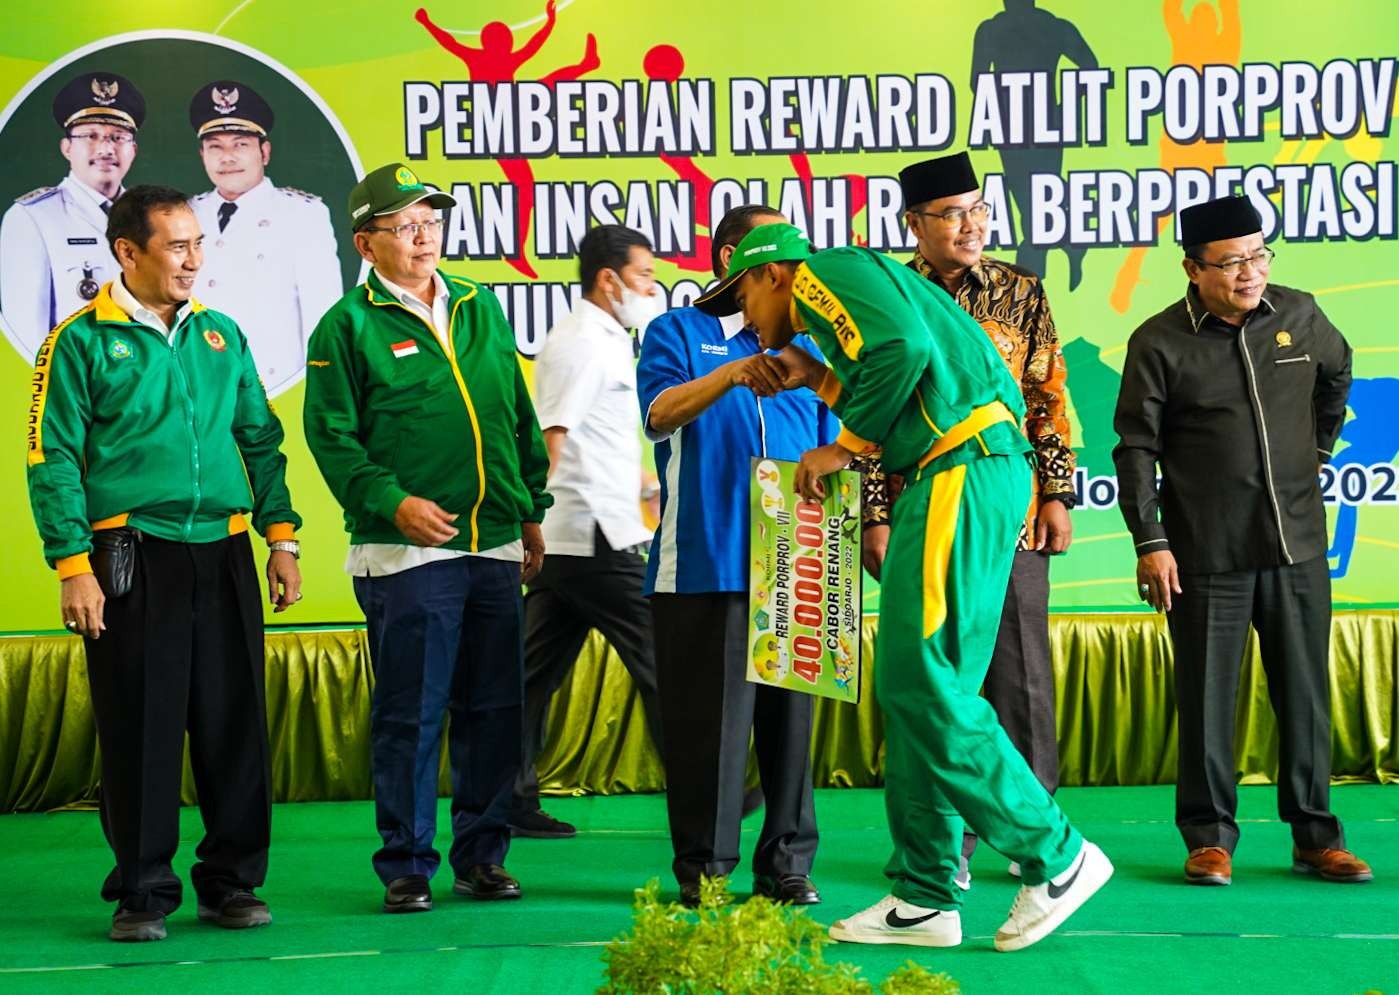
418,416
912,374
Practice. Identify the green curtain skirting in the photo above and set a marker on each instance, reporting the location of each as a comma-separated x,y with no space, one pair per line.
1115,716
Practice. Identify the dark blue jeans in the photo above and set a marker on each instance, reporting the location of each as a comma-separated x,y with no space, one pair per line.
444,638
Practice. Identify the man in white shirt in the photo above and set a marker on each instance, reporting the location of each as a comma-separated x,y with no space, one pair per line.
269,251
585,398
54,255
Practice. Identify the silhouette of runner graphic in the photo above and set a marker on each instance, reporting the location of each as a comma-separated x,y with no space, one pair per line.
859,190
1023,38
497,61
1205,39
665,64
1093,386
1371,437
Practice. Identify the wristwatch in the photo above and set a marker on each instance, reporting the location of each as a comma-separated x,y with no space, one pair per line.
286,546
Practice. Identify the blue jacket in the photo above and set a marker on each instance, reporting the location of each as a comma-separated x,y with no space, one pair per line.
701,545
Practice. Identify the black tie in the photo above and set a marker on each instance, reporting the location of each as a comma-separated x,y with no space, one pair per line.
106,207
226,210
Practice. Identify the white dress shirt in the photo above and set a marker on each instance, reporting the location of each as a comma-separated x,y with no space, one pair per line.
53,246
274,269
585,382
137,311
379,559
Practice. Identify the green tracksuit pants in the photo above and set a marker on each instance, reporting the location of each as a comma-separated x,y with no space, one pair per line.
948,759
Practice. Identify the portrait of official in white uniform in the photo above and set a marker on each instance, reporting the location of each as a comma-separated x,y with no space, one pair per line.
53,241
270,258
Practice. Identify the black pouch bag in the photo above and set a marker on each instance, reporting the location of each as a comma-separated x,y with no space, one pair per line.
114,559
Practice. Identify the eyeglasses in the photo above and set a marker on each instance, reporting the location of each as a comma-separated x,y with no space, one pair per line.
979,211
1259,260
411,229
118,139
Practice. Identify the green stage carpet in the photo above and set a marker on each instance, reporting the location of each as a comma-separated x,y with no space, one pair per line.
1146,932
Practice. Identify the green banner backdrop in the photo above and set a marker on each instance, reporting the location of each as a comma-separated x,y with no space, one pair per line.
1089,132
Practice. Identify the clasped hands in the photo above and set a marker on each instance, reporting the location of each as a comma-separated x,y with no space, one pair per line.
767,375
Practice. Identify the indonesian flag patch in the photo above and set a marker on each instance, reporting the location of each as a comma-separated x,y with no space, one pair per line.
404,349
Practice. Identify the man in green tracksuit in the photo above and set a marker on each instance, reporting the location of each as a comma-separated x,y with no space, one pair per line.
418,416
913,374
150,441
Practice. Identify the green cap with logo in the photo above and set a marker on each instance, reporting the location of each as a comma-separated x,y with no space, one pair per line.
389,189
774,243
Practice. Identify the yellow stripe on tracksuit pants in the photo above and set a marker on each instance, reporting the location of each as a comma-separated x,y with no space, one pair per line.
948,759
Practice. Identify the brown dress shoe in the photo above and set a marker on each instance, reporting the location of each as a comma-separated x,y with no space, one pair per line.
1208,865
1340,866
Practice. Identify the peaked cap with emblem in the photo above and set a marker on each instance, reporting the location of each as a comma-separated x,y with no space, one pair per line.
228,105
99,98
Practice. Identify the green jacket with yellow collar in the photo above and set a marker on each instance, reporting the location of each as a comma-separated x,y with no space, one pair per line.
909,368
176,439
390,413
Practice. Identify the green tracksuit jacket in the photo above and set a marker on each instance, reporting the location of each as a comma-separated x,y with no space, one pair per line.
908,363
390,413
176,439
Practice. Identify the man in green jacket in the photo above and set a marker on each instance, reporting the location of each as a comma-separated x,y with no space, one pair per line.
912,374
418,416
150,441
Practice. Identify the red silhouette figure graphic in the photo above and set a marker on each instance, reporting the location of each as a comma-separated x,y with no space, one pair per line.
497,61
665,64
859,190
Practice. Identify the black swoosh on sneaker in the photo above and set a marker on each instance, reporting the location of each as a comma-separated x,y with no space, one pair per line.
1057,892
899,922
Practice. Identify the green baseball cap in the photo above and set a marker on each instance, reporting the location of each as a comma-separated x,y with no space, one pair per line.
389,189
774,243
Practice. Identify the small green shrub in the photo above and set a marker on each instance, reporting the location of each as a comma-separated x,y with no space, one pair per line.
755,946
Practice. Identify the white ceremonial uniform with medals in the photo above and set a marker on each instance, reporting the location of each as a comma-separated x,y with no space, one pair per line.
274,269
53,259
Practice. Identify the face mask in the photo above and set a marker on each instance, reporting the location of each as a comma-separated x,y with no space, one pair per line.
635,310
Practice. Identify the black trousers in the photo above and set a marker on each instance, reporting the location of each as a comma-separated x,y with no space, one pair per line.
572,595
708,709
1020,683
183,652
1290,608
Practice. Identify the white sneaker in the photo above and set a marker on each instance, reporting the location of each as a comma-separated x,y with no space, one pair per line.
893,921
1014,869
963,879
1040,909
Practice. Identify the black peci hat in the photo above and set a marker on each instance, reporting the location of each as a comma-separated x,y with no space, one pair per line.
930,179
1216,220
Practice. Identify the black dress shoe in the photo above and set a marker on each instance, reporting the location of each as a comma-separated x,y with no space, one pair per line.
132,926
690,894
408,894
540,825
790,889
238,910
487,882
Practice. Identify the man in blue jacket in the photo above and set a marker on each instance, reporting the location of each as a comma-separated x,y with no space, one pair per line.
706,432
